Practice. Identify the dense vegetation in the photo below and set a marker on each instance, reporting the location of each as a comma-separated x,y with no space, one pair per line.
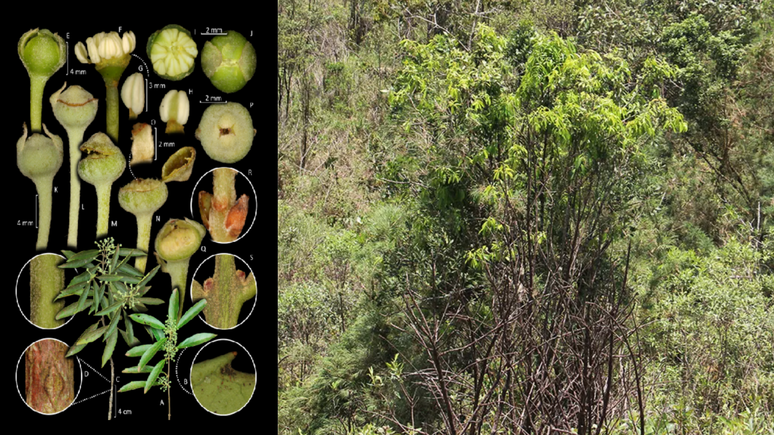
525,217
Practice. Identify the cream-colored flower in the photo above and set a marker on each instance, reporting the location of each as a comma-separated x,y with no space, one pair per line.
104,46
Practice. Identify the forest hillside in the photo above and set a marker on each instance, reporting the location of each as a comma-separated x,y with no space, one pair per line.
525,217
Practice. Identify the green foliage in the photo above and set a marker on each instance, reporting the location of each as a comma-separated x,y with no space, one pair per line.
109,287
711,342
165,335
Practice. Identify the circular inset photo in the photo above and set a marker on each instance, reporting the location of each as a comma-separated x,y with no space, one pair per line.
227,210
223,377
38,285
229,286
47,383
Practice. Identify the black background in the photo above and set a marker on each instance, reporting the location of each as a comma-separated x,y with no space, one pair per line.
254,339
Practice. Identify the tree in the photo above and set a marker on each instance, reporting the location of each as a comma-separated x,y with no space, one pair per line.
547,156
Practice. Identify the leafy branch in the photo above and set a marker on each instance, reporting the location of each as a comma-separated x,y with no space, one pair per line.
165,335
108,288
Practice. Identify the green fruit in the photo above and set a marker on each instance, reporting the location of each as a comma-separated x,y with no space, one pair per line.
172,52
229,61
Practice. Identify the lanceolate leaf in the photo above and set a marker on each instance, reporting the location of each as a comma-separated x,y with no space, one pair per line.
90,335
77,348
73,289
151,352
150,301
134,385
71,309
110,277
88,255
76,263
154,374
130,270
82,301
110,309
113,323
149,276
110,345
147,319
196,340
135,369
130,252
138,350
99,292
191,313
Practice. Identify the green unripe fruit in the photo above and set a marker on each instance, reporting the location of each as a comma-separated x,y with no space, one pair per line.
229,61
104,162
38,155
143,196
179,239
42,52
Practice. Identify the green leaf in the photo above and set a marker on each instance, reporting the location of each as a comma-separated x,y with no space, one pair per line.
71,309
113,263
99,292
76,263
138,350
191,313
90,335
67,253
151,352
150,301
110,277
74,349
134,385
135,369
82,301
76,289
147,319
130,270
156,334
154,374
110,345
89,254
174,304
129,337
113,323
116,305
129,340
130,252
196,340
149,276
84,277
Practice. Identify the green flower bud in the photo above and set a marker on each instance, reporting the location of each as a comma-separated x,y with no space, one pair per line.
42,52
229,61
75,108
